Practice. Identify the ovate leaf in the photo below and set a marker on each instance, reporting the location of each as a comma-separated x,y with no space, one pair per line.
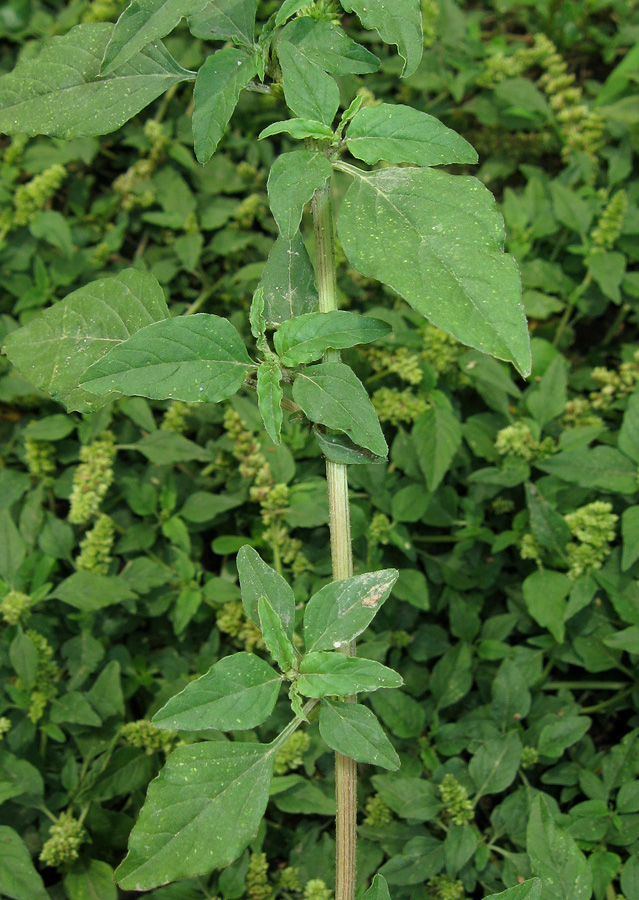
141,22
399,23
306,338
277,641
226,20
329,47
437,239
309,91
298,129
292,181
90,879
218,86
56,348
545,595
555,857
437,435
353,730
257,579
199,814
269,398
190,358
527,890
59,93
331,395
378,889
342,610
326,674
548,526
237,693
399,134
288,281
494,767
19,879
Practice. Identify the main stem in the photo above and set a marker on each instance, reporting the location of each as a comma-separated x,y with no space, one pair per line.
341,554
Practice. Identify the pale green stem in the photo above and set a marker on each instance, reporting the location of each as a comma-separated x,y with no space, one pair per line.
341,554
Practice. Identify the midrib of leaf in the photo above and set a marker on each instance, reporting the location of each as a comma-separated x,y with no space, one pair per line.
494,768
334,399
224,15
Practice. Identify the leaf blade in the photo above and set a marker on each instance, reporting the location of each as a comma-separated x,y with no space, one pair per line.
354,731
218,86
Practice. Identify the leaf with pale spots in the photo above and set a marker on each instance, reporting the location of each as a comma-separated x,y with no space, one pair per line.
226,20
306,338
397,22
334,674
258,579
269,398
288,281
308,90
190,358
275,637
437,239
555,857
292,181
329,47
342,610
237,693
353,730
54,350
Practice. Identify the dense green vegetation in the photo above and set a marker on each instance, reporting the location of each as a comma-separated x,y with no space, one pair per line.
508,506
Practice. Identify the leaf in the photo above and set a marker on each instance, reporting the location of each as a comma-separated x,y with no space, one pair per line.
55,349
326,674
548,526
89,592
437,436
90,879
275,637
19,879
527,890
236,693
288,281
437,239
12,547
59,91
452,676
510,696
410,798
378,889
257,579
342,610
547,399
628,440
398,23
191,358
200,813
339,449
24,659
545,595
306,338
630,535
494,767
401,134
627,640
557,736
555,857
602,467
329,47
218,86
298,129
142,22
401,713
226,20
353,730
420,859
309,91
331,395
292,181
269,398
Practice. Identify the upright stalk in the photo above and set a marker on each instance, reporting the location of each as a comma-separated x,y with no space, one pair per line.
341,555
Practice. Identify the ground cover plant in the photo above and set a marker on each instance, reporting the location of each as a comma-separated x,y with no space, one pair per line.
507,507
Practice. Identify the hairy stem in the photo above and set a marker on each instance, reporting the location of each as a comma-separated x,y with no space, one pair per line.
341,554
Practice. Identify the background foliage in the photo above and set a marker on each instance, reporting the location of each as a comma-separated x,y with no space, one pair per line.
508,507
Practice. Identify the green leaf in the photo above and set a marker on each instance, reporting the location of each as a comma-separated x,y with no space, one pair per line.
24,659
398,23
547,399
452,676
257,579
191,358
401,713
59,91
269,398
326,674
12,547
354,731
401,134
420,859
545,595
494,767
628,440
510,696
89,592
226,20
218,86
630,535
74,709
292,181
437,239
548,526
339,449
55,349
288,281
527,890
557,736
90,879
331,395
410,798
298,129
309,91
437,436
200,813
142,22
627,640
275,637
608,270
378,889
342,610
329,47
602,467
19,879
555,857
236,693
288,9
306,338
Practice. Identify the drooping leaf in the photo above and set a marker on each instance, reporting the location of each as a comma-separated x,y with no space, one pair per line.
410,798
292,181
437,436
142,22
332,395
309,91
59,93
88,591
329,47
325,674
288,281
353,730
191,358
236,693
298,129
277,641
269,398
398,23
339,449
199,814
494,767
555,857
257,579
437,239
19,879
226,20
306,338
601,467
342,610
55,349
401,134
218,86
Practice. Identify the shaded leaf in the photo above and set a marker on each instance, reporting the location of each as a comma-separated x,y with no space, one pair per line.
292,181
354,731
288,281
269,398
398,23
309,91
218,86
306,338
326,674
257,579
226,20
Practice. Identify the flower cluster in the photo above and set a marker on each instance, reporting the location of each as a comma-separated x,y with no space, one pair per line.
430,14
15,607
327,10
530,548
594,527
92,478
257,883
291,754
379,529
443,887
39,457
134,185
610,223
578,413
33,196
316,889
442,351
232,621
289,880
400,362
5,726
615,384
529,757
175,418
518,440
102,11
96,546
457,805
144,735
396,406
47,674
66,836
377,812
